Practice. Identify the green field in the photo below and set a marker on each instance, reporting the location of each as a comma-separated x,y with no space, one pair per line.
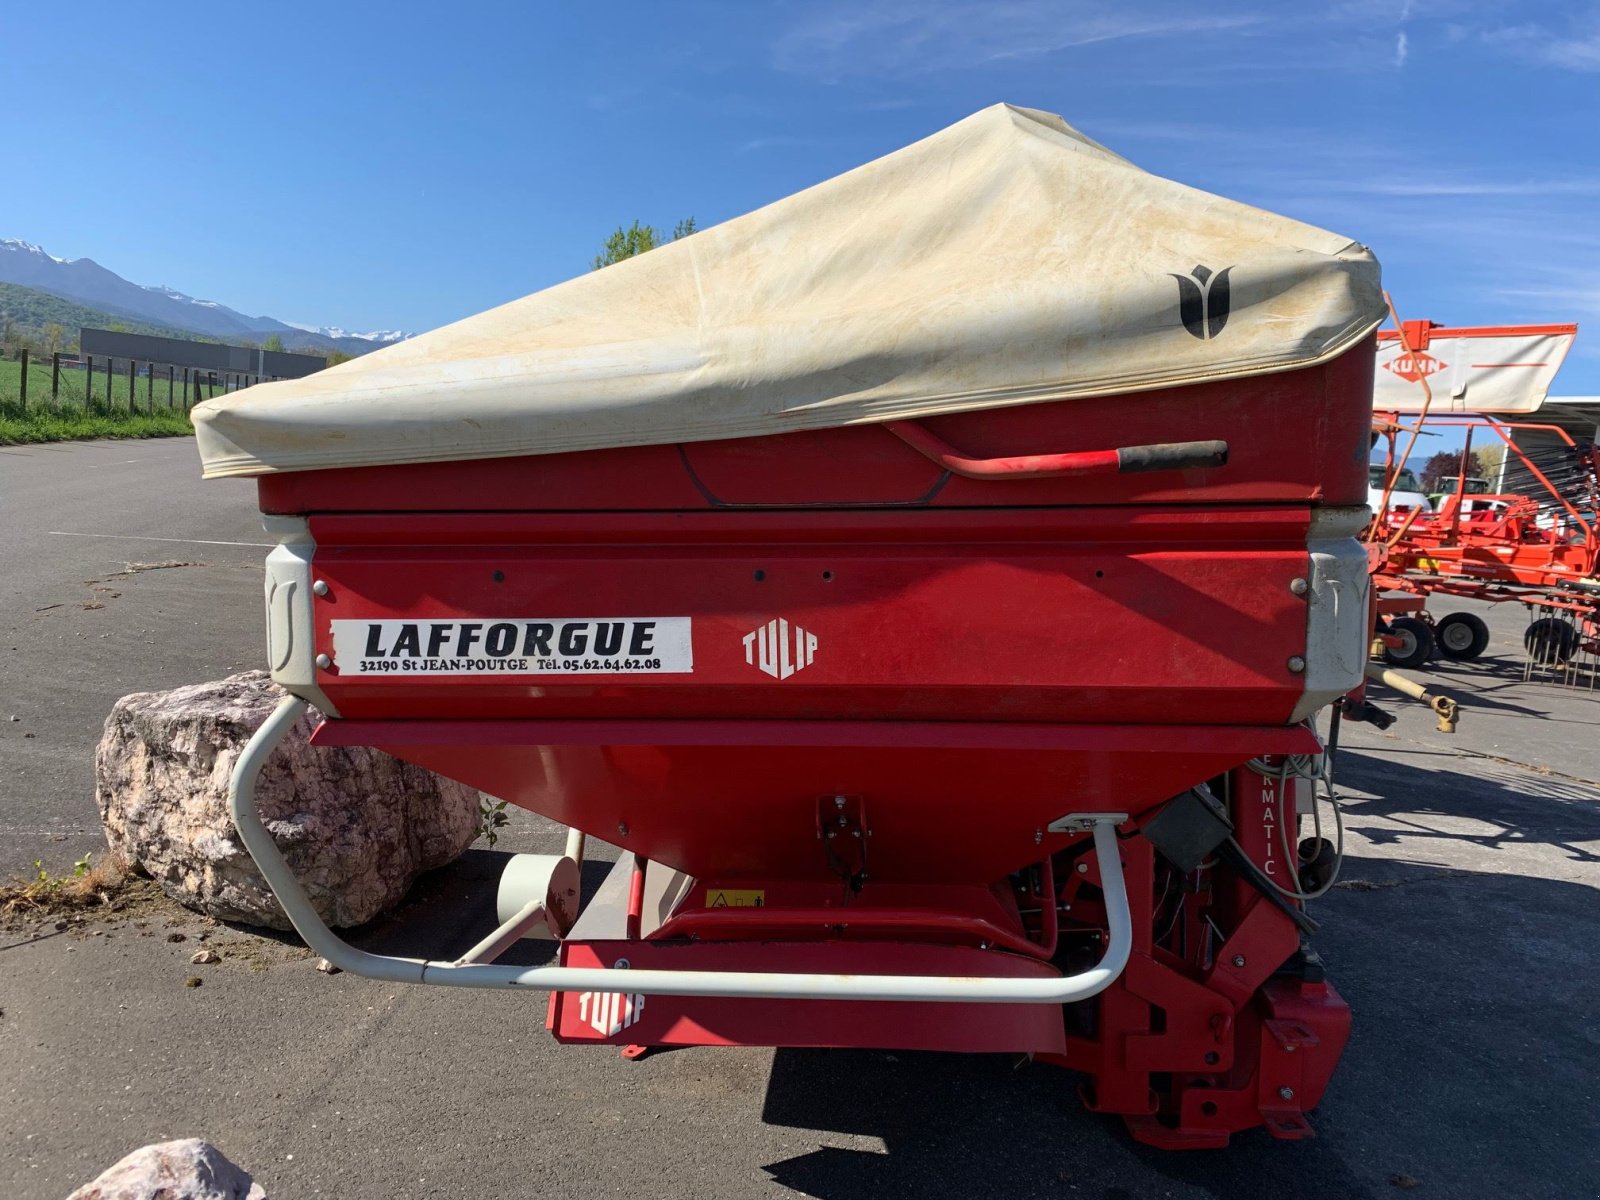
79,412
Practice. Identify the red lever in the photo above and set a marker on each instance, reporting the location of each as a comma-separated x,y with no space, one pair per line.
1163,456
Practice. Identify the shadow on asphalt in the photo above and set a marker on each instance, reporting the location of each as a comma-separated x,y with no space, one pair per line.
1474,680
1513,804
989,1126
449,910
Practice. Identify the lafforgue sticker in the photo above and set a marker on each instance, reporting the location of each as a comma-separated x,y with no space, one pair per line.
515,646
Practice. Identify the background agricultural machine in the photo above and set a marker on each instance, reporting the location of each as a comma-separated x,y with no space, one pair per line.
1536,547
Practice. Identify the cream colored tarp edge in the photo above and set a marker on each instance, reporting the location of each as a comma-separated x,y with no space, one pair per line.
221,462
1006,260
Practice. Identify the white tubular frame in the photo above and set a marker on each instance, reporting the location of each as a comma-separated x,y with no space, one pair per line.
754,984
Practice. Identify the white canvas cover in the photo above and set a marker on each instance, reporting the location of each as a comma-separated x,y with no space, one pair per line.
1006,260
1503,369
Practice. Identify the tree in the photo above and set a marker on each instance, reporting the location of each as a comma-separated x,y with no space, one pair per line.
636,239
274,343
54,335
1440,472
1492,458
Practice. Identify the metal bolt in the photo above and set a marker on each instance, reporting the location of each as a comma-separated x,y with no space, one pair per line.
1299,586
1297,664
843,820
1286,1093
1083,868
324,661
838,801
320,587
1238,960
622,828
1038,836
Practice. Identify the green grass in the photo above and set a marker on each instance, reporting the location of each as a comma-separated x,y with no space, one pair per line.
73,417
77,424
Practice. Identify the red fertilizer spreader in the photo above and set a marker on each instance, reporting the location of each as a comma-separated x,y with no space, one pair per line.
929,582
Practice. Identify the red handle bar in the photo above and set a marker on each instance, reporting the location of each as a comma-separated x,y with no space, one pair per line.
1164,456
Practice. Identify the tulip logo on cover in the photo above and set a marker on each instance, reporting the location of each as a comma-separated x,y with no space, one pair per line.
1203,301
779,648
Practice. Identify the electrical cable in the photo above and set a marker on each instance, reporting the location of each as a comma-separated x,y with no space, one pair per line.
1304,766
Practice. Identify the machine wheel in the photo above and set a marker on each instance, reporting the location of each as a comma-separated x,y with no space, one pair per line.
1550,641
1461,636
1416,646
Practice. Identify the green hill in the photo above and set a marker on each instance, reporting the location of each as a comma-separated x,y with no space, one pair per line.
25,311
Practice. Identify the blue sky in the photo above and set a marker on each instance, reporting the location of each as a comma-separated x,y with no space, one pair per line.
402,165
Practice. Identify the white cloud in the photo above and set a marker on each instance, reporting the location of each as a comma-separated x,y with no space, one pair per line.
776,142
1579,300
1402,49
904,37
1575,47
1470,187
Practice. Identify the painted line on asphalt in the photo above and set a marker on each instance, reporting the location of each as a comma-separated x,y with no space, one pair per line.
134,537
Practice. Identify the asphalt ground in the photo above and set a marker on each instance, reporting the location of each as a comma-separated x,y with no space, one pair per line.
120,571
1464,935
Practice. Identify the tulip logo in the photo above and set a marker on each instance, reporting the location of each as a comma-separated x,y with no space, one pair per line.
609,1013
779,648
1203,300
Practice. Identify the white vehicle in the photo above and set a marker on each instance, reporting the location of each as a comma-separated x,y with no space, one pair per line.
1405,495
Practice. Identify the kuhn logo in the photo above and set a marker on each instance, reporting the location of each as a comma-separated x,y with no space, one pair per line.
1415,366
609,1013
1203,301
780,649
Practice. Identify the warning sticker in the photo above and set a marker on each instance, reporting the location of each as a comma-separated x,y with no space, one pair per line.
736,898
503,646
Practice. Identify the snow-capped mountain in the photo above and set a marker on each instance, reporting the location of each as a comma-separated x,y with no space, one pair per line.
86,281
377,336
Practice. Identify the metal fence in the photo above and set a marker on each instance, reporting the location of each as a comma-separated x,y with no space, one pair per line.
112,370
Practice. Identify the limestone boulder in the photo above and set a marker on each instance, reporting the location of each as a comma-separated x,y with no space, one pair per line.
356,825
183,1170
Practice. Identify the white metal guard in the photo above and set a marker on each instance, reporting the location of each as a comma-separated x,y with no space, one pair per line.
756,984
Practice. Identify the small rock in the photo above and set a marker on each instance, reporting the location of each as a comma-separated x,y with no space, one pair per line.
327,968
1404,1182
177,937
60,926
205,958
193,981
14,717
29,734
184,1170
